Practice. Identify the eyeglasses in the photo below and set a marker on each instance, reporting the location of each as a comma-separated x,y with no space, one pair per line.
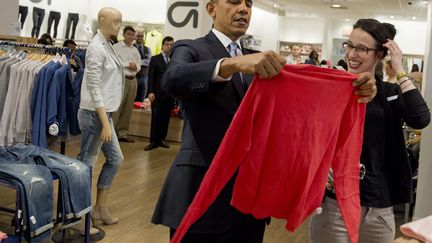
348,46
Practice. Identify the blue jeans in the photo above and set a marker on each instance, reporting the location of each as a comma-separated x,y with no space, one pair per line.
35,185
91,145
74,177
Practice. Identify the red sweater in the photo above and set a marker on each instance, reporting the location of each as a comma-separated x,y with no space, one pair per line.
286,134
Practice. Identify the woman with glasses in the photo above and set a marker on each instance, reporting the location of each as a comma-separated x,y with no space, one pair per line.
387,180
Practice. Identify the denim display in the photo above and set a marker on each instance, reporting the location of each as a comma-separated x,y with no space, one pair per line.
36,188
38,16
73,174
72,21
53,17
22,13
91,144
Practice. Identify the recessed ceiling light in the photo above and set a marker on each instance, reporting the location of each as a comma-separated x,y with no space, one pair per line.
414,18
336,6
392,17
347,20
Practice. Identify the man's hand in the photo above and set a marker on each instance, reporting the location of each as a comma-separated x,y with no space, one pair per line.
365,87
151,97
132,66
265,64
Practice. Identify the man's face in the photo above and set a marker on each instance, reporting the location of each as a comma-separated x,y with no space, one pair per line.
129,36
231,17
71,46
139,38
166,47
295,51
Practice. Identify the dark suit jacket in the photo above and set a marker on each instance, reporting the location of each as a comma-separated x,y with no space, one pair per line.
157,68
208,110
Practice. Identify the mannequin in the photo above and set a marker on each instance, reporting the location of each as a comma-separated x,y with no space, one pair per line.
101,93
84,30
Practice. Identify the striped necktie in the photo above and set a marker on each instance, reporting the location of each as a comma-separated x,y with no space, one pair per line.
233,47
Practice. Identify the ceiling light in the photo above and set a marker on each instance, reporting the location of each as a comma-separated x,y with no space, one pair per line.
347,20
414,18
336,6
392,17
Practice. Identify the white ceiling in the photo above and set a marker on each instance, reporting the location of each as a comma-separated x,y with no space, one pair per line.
400,9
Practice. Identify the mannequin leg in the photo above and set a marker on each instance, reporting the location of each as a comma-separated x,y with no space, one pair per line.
100,213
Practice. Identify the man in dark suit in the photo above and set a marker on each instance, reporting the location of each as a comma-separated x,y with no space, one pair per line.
162,103
209,75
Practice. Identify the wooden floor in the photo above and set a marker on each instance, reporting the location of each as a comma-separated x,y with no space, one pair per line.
135,192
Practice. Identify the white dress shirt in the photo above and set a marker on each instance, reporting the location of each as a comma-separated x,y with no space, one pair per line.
128,54
225,40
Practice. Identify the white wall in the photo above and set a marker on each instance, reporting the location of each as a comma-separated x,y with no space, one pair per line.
264,26
144,11
301,29
8,16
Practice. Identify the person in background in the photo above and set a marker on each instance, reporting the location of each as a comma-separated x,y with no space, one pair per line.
162,103
142,75
45,39
294,57
132,64
388,178
342,65
313,58
390,72
70,44
416,76
101,95
210,76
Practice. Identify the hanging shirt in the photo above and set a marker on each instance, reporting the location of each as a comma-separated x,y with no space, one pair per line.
154,41
286,134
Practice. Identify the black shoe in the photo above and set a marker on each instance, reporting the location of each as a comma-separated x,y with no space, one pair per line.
163,145
151,146
126,140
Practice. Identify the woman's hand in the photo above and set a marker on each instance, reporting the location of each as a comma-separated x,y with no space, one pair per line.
395,55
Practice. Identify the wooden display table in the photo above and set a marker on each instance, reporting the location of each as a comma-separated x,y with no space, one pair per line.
140,125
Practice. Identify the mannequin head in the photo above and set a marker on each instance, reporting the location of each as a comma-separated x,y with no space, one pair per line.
109,21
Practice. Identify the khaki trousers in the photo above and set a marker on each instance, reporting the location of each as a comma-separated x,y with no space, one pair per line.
377,225
122,116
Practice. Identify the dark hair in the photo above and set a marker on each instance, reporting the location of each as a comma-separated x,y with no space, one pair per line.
167,38
128,28
343,64
381,32
313,54
69,42
414,68
323,62
379,70
45,39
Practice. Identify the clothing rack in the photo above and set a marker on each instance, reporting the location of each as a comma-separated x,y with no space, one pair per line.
47,49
